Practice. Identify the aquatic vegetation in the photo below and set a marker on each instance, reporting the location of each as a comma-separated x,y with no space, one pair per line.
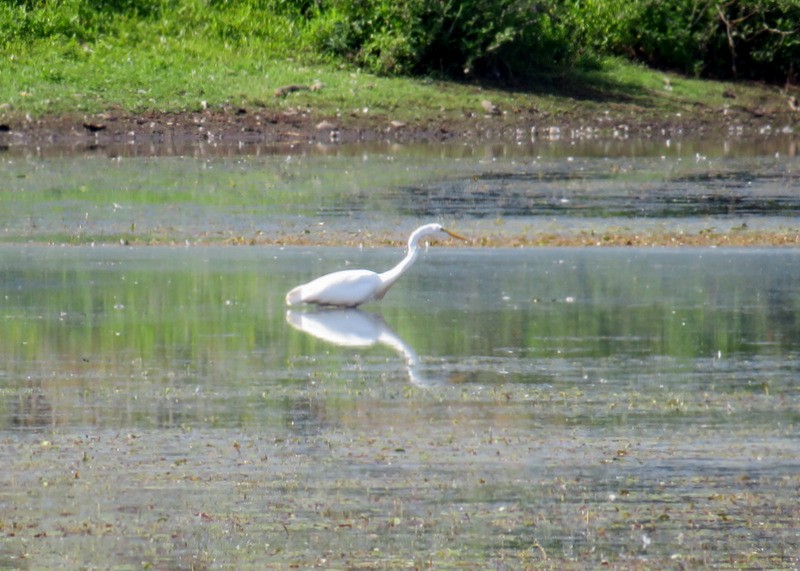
621,407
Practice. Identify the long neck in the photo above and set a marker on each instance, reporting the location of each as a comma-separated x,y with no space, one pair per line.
390,276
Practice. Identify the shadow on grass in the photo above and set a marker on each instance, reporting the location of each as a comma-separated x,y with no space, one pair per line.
592,82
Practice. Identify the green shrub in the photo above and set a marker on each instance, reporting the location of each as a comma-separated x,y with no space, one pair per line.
452,38
757,39
32,20
761,38
601,27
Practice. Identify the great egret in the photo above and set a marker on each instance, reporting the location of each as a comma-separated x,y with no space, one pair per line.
351,288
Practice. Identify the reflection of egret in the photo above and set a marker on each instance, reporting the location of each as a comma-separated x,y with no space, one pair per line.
351,288
356,328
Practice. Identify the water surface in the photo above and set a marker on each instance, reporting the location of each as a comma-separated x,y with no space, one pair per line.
549,408
336,192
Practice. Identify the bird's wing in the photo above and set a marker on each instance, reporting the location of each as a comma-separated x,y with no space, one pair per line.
348,288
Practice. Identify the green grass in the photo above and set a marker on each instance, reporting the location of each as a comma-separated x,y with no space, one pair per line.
147,67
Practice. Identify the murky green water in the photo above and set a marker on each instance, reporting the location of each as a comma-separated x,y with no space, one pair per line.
116,195
548,408
566,408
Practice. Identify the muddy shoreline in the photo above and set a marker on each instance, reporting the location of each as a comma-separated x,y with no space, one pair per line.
238,127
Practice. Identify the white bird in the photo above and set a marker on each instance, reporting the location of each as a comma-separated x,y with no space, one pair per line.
351,288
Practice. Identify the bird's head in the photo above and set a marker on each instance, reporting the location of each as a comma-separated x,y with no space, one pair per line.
429,229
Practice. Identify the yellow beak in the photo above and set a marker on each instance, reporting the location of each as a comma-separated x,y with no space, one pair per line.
454,235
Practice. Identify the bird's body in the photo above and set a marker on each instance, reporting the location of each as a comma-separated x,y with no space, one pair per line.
348,288
351,288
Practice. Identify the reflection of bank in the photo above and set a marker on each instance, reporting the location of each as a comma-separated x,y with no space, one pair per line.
356,328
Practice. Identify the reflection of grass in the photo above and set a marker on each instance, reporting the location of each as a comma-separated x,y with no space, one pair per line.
106,182
165,200
108,315
282,199
181,422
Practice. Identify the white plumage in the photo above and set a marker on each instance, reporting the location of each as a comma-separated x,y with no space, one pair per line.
351,288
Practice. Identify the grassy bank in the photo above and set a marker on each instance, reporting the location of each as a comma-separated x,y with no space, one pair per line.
75,63
65,81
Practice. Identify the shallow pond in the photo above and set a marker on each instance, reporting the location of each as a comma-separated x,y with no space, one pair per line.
348,194
546,408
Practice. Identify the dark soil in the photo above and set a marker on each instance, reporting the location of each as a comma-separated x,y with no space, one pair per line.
190,128
174,133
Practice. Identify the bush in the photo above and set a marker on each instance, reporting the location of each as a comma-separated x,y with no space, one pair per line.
472,37
762,38
600,27
755,39
33,20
